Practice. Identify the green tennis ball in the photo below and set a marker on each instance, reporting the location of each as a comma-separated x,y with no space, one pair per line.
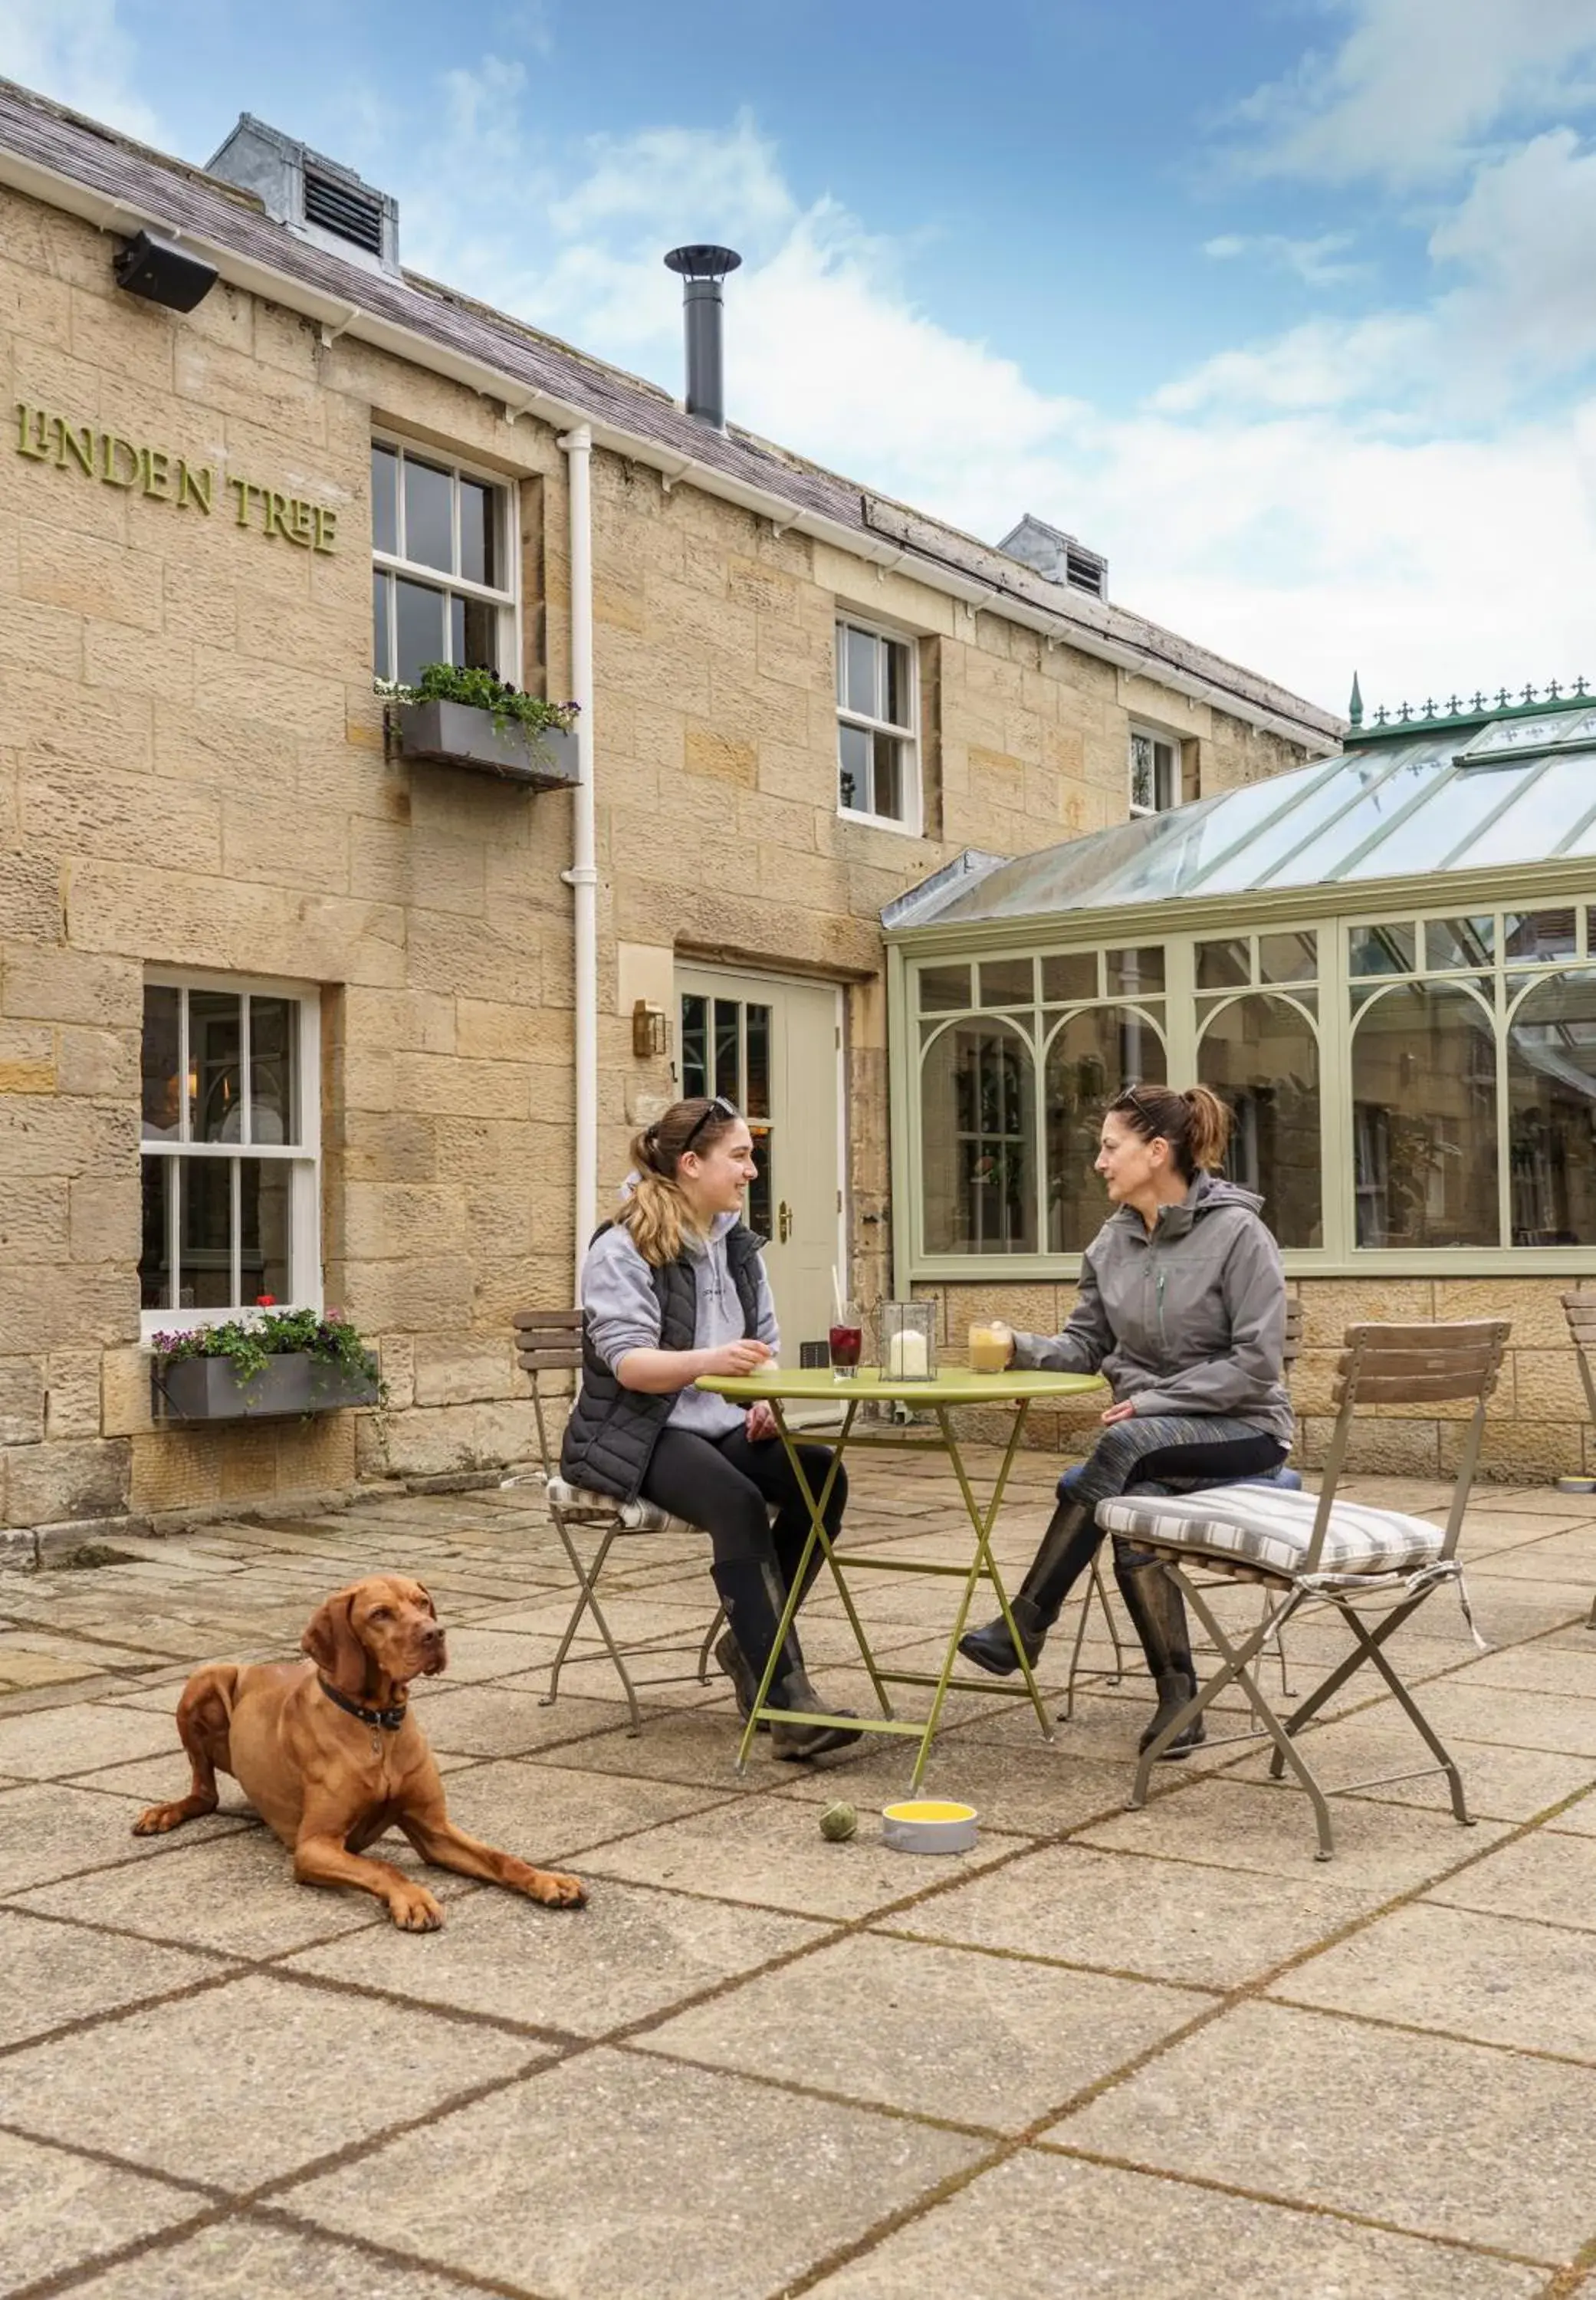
838,1822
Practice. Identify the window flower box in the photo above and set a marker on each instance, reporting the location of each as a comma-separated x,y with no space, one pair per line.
461,735
264,1365
291,1382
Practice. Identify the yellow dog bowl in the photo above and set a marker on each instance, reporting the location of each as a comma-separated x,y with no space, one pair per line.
928,1825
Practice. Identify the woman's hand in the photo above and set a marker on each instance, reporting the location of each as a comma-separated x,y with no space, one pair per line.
736,1358
761,1423
1120,1413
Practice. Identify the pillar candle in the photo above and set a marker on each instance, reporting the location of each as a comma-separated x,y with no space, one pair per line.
906,1357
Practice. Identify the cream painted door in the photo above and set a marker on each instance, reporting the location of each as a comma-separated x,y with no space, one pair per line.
772,1045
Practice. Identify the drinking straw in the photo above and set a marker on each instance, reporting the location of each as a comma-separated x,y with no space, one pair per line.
837,1295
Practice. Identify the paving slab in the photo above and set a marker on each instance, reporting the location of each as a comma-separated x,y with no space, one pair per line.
49,1744
549,1813
768,1854
58,2209
632,1953
49,1831
58,1973
995,2041
247,2259
1551,1875
1039,2226
1578,1818
1500,1781
1461,1972
1477,1712
1429,2135
1270,1828
497,1721
253,2079
236,1895
730,2187
1171,1920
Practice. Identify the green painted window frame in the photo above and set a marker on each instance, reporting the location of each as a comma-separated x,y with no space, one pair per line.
1333,919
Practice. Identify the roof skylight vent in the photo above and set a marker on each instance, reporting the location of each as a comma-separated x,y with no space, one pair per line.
1061,558
319,200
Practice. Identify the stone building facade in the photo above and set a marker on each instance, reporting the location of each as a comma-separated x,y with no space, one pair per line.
222,887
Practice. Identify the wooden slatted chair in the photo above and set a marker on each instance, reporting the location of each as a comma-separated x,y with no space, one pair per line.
1306,1550
548,1347
1580,1309
1097,1587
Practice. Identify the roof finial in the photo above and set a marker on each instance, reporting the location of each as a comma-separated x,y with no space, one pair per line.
1355,707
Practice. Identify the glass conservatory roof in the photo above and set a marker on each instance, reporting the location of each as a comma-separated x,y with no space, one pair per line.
1442,792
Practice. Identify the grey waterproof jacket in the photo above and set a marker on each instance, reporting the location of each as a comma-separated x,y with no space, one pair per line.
1189,1318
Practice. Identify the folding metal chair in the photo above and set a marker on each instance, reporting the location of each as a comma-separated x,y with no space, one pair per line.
1320,1550
1097,1587
1580,1309
548,1344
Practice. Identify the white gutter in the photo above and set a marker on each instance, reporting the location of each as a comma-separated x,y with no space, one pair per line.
56,191
582,875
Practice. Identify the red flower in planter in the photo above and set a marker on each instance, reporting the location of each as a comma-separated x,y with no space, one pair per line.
265,1301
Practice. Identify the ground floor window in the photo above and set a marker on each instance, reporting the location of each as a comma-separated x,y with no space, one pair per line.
230,1147
1398,1084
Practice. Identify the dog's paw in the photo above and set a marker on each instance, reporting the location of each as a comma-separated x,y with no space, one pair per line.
556,1891
415,1911
155,1819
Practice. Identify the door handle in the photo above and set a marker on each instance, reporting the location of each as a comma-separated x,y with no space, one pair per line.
784,1223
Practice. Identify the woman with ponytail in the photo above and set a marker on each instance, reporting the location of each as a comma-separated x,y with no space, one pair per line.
1182,1304
673,1288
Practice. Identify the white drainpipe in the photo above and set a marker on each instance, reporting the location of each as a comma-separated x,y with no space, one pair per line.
582,875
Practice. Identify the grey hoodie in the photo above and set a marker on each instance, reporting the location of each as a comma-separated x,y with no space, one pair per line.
623,1310
1190,1319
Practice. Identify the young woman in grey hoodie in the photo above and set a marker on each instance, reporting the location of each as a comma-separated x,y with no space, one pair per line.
1182,1304
673,1288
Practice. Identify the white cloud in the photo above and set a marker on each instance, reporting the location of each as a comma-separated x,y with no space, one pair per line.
1294,504
1527,233
1415,84
76,52
1320,263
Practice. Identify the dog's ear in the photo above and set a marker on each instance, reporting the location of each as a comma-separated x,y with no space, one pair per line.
424,1596
331,1643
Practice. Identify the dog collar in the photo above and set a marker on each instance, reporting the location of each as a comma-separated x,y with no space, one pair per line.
390,1719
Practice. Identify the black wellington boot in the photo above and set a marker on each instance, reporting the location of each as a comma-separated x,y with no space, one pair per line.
733,1662
1067,1547
1159,1617
751,1591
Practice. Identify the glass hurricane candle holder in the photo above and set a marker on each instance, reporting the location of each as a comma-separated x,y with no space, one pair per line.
908,1341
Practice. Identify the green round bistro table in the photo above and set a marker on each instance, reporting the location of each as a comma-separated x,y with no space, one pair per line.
943,1396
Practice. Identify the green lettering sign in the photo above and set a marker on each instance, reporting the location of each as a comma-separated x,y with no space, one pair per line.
44,436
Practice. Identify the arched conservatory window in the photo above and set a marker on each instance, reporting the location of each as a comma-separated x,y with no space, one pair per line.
1090,1057
1551,1110
1424,1114
978,1137
1260,1055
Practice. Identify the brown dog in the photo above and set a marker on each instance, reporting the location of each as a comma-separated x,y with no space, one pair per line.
329,1755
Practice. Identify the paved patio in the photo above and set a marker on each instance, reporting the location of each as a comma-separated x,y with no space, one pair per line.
1107,2052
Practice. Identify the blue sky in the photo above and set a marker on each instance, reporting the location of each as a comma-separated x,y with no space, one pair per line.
1289,307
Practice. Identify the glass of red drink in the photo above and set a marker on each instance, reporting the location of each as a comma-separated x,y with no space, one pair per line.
847,1340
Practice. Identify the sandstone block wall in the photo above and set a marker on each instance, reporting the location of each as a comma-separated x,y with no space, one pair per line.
194,774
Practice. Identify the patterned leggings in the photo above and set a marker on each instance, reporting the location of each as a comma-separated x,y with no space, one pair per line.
1164,1451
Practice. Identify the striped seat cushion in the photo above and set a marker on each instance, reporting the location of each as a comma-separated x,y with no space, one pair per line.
582,1505
1271,1527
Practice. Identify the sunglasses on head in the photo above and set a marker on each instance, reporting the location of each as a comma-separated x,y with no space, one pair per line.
718,1107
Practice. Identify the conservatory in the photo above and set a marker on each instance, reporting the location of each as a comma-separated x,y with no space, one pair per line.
1385,963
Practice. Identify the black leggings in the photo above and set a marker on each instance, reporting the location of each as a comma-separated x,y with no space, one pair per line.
728,1485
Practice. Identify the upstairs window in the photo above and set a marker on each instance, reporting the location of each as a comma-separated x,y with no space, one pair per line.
878,771
1154,772
444,563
